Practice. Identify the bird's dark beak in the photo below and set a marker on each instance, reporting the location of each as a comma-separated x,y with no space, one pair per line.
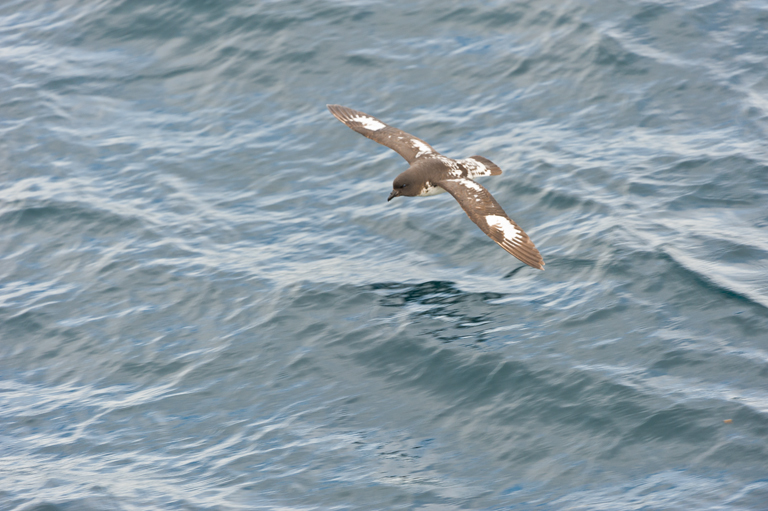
392,195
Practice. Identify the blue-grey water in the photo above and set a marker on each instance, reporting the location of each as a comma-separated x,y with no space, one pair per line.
206,302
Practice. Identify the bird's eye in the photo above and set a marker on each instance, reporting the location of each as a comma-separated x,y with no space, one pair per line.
403,185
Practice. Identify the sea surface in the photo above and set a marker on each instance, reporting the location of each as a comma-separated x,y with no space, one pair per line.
206,302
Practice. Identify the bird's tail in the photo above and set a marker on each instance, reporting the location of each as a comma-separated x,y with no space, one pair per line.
477,166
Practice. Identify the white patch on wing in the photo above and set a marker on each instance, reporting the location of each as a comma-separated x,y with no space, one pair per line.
511,233
422,147
368,123
471,184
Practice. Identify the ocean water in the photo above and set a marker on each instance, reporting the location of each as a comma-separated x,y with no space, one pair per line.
206,302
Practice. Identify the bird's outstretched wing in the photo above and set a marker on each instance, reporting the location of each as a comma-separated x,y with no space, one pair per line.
404,144
483,209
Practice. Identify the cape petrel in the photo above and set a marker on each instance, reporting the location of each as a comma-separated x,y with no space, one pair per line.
431,173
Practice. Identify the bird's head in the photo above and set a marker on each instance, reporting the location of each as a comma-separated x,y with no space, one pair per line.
405,186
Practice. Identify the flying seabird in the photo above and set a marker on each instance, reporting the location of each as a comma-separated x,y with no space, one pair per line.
431,173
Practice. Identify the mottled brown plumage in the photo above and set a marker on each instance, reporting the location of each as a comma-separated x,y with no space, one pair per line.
431,173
